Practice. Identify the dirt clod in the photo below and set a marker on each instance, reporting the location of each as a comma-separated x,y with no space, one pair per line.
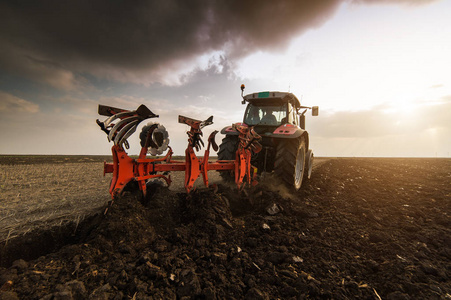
360,228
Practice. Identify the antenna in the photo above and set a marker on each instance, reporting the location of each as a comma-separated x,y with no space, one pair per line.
289,88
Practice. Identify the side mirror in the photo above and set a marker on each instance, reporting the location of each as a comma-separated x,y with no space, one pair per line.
315,111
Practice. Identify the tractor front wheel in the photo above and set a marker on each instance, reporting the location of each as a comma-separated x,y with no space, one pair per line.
227,151
289,164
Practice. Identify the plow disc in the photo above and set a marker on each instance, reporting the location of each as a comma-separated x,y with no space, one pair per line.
121,124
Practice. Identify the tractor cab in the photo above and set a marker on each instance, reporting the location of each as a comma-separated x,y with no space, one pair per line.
279,118
269,110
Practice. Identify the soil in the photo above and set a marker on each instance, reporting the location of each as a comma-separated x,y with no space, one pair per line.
365,228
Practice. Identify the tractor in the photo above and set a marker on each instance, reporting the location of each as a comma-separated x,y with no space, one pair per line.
279,118
272,137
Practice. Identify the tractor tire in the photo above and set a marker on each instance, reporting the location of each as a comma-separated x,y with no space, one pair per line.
309,164
289,164
227,151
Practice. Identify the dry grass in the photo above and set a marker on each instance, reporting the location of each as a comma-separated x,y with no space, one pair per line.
43,195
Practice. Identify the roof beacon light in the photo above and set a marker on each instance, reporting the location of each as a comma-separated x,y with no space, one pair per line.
242,91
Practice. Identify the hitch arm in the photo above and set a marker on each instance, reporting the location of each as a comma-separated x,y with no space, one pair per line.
205,163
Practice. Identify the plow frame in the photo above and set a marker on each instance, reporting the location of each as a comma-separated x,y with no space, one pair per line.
126,169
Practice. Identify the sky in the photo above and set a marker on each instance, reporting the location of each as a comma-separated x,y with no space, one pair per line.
380,70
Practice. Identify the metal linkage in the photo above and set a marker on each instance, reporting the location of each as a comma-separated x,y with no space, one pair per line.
195,133
249,143
126,169
194,166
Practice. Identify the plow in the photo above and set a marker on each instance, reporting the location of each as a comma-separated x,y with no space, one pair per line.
121,124
271,139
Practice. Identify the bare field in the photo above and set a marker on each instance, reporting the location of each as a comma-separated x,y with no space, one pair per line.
360,228
48,194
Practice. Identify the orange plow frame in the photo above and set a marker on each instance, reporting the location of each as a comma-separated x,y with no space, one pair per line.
126,169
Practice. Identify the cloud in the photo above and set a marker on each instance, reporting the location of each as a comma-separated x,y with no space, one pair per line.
24,62
377,122
152,33
146,40
423,131
13,104
404,2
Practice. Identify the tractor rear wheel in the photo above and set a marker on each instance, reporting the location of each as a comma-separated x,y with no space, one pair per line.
227,151
289,164
309,163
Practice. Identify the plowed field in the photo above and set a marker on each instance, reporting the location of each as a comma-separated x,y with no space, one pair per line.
360,228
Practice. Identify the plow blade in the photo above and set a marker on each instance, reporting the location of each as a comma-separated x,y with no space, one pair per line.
109,111
127,122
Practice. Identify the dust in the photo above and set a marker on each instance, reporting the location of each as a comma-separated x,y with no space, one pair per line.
275,185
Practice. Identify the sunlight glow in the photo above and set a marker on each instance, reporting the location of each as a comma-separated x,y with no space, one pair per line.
386,58
381,75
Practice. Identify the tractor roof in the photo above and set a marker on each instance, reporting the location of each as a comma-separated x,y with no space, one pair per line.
268,96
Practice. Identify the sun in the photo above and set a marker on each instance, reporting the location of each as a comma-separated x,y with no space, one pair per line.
402,108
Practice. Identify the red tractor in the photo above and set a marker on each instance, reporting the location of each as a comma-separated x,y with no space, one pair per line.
272,137
279,118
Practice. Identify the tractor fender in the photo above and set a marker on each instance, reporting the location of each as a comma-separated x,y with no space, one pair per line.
288,131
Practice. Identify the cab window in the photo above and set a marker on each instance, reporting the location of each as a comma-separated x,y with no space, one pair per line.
265,114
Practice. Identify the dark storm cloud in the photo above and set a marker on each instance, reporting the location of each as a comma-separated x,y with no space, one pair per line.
113,37
142,34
